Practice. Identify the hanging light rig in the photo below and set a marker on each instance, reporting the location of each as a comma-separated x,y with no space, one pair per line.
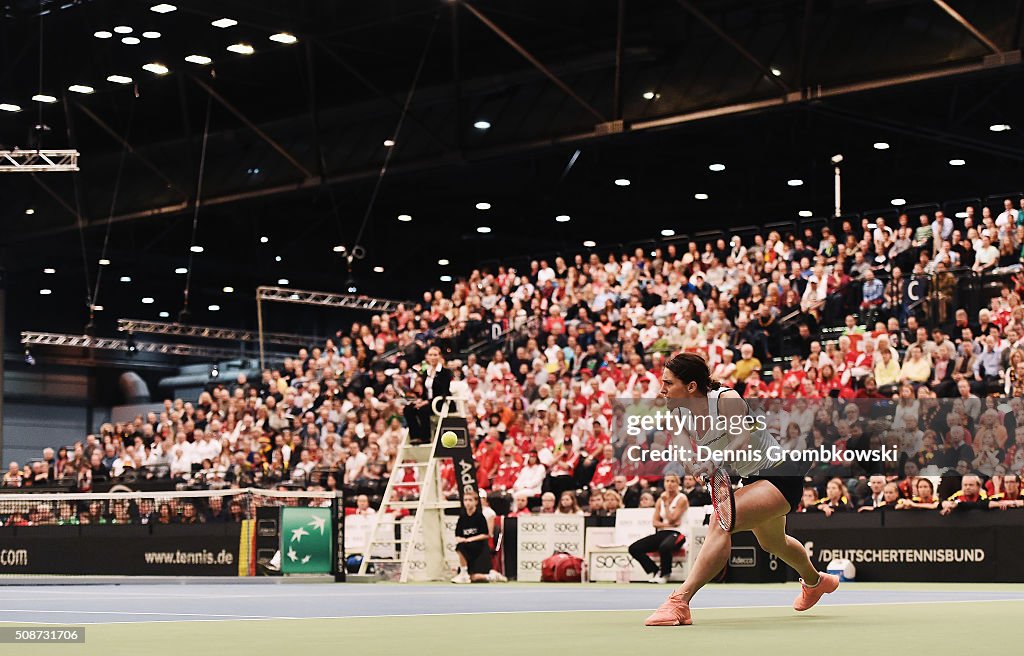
39,159
350,256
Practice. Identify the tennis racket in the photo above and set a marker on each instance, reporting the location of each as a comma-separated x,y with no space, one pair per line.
720,488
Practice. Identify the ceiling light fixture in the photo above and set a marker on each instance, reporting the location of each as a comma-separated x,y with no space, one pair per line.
806,213
196,249
30,211
622,182
241,48
147,300
795,182
668,232
102,34
404,218
104,261
648,95
716,167
282,281
898,201
202,60
181,270
164,315
131,41
49,271
81,88
957,162
156,69
123,29
119,79
378,269
881,145
45,292
446,278
7,107
483,229
776,72
388,143
562,218
482,125
163,8
700,196
150,35
213,308
224,22
264,240
126,278
589,243
283,37
443,262
43,98
483,206
999,127
229,290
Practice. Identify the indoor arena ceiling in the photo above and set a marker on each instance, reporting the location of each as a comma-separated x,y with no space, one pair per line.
511,106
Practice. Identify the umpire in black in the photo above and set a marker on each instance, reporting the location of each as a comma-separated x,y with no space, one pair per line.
436,381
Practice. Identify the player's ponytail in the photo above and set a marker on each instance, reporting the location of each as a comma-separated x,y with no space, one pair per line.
691,368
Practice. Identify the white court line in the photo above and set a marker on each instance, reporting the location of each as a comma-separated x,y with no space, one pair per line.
254,618
134,612
326,595
408,592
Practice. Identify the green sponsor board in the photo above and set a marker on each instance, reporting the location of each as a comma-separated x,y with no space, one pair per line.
305,540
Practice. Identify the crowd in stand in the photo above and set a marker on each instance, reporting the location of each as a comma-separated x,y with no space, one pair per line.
813,323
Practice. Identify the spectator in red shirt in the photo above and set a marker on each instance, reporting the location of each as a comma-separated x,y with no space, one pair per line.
607,467
487,456
507,472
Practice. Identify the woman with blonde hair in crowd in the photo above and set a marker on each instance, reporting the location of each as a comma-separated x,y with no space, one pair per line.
1014,384
988,455
836,499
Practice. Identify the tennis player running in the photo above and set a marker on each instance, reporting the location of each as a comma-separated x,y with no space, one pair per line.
761,504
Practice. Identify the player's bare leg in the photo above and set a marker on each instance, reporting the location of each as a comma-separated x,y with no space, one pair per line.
756,504
813,584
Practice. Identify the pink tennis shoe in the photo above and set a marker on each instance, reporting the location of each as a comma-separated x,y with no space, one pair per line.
810,595
674,612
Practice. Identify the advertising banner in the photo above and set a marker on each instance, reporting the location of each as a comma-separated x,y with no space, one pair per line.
174,550
540,536
631,524
460,451
420,558
306,540
916,554
357,535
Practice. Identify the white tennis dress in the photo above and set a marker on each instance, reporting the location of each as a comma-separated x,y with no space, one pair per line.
756,442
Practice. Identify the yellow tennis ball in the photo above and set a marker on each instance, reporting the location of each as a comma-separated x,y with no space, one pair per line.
449,439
